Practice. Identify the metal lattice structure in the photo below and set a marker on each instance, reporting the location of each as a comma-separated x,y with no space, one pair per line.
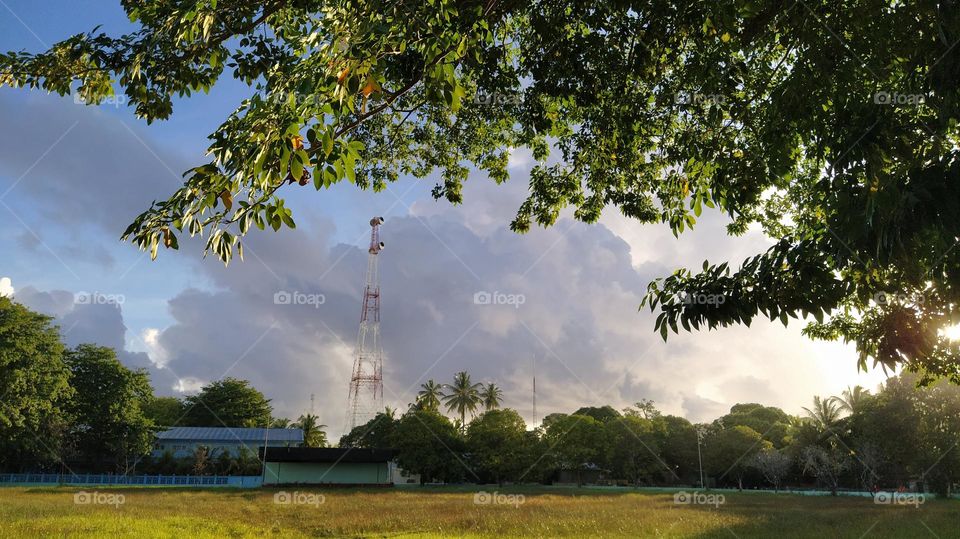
366,383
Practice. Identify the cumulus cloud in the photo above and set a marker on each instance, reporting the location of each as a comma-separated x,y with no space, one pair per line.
6,286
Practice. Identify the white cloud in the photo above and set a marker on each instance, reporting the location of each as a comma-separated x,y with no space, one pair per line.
188,385
6,286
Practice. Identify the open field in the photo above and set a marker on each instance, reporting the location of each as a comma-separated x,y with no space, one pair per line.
444,512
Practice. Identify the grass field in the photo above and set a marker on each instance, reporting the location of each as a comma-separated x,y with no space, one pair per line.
446,512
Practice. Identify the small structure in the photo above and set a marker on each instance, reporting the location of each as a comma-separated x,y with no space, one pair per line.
183,441
327,466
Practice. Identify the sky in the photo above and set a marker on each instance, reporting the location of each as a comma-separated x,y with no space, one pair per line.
72,177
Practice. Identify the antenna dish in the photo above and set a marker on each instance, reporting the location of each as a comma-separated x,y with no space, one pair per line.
376,221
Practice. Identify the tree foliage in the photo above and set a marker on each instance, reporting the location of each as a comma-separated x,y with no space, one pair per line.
831,125
228,403
34,388
107,422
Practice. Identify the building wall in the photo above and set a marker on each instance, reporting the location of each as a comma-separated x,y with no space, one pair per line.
186,448
315,473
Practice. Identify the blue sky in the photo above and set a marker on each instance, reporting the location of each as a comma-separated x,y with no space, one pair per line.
72,177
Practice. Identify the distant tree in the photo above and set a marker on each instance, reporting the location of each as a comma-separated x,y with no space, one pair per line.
772,423
379,432
492,396
166,464
601,413
163,411
462,396
577,441
228,403
225,463
428,398
201,460
729,452
677,439
774,465
313,434
107,423
645,408
429,445
495,442
633,449
549,419
248,463
280,423
34,388
853,399
825,464
825,413
938,453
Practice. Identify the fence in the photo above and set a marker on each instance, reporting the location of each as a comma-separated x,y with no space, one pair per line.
242,481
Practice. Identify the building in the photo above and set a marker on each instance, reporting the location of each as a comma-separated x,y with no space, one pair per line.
327,466
183,441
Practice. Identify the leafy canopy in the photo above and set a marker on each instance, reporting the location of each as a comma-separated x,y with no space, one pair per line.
829,124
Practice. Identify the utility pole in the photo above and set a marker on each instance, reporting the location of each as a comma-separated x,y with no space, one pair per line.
534,391
699,457
365,398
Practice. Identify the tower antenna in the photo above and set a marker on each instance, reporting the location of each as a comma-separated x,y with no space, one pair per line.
366,383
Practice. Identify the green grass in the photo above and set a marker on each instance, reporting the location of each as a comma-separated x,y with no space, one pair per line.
445,512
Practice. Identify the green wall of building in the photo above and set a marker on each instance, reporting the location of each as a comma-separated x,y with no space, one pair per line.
341,473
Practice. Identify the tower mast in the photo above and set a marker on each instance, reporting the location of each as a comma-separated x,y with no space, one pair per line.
366,383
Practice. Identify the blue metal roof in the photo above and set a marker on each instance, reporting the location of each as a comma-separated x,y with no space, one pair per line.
231,434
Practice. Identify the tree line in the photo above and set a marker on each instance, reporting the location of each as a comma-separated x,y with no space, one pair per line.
903,436
82,408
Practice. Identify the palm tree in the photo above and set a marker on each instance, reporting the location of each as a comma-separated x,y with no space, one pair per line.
463,397
491,395
853,399
825,413
279,423
429,396
313,434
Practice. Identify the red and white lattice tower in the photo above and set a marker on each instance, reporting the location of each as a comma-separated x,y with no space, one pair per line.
366,383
